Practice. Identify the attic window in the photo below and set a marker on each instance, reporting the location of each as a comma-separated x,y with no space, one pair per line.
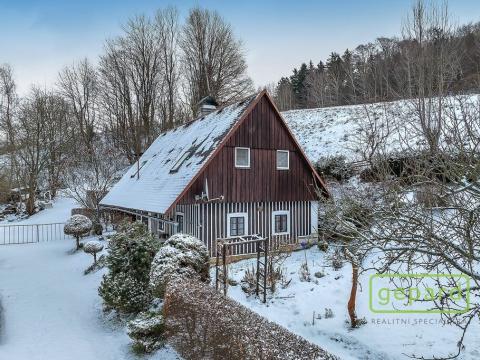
242,157
179,162
283,162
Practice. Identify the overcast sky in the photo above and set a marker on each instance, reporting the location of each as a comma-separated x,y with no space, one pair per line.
38,38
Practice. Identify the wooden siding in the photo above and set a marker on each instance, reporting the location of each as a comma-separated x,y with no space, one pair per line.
208,222
264,133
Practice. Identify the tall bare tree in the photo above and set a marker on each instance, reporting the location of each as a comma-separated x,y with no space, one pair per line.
213,59
131,72
432,65
8,105
168,30
79,84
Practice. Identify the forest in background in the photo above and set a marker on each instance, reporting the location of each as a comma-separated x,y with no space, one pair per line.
389,68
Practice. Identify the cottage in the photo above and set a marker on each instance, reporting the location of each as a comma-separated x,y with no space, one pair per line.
236,170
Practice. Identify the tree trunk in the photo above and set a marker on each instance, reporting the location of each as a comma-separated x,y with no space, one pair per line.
353,295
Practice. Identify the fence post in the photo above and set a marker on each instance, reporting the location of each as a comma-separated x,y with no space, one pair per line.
38,237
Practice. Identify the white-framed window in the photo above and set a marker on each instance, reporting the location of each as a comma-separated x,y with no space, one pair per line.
237,224
283,159
281,222
242,157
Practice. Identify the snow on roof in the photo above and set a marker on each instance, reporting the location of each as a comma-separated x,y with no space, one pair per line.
332,131
173,160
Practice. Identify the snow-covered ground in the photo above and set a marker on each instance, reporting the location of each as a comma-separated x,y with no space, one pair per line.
385,336
49,309
59,213
332,131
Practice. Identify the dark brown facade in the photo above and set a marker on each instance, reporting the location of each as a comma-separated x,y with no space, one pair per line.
264,132
280,204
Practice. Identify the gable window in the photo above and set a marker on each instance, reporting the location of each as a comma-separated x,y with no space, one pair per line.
237,224
281,222
242,157
283,160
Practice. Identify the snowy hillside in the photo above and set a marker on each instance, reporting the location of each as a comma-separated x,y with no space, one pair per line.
333,131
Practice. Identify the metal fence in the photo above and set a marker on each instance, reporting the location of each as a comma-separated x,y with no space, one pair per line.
27,234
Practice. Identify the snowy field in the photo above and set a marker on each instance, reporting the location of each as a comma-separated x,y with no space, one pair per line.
332,131
49,309
385,336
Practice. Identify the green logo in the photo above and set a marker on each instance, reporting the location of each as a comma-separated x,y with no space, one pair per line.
418,293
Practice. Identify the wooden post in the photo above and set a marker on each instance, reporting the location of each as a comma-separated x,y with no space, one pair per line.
217,265
265,271
257,290
224,259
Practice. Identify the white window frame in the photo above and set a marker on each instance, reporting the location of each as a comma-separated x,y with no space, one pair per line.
242,166
281,212
245,220
288,160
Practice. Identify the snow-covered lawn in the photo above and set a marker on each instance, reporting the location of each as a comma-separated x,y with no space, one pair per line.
385,336
52,310
59,213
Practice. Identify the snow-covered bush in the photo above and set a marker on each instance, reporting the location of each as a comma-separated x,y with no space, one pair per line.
337,260
146,331
182,255
93,247
202,323
322,245
335,167
77,226
125,286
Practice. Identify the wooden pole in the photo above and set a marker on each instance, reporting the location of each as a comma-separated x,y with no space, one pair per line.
224,258
265,271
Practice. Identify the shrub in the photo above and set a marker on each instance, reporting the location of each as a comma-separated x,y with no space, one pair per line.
182,255
430,197
337,260
78,225
335,167
146,331
203,324
322,245
97,229
125,286
93,247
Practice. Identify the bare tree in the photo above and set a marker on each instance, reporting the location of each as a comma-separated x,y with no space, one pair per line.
213,59
432,66
131,71
168,30
89,176
8,105
79,84
30,130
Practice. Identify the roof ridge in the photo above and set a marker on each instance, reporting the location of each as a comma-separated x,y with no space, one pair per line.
218,109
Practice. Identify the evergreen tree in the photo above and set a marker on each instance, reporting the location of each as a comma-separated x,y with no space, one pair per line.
125,288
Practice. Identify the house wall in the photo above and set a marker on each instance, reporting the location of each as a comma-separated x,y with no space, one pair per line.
264,133
208,222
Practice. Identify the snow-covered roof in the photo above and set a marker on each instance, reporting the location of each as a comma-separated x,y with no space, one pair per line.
173,160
